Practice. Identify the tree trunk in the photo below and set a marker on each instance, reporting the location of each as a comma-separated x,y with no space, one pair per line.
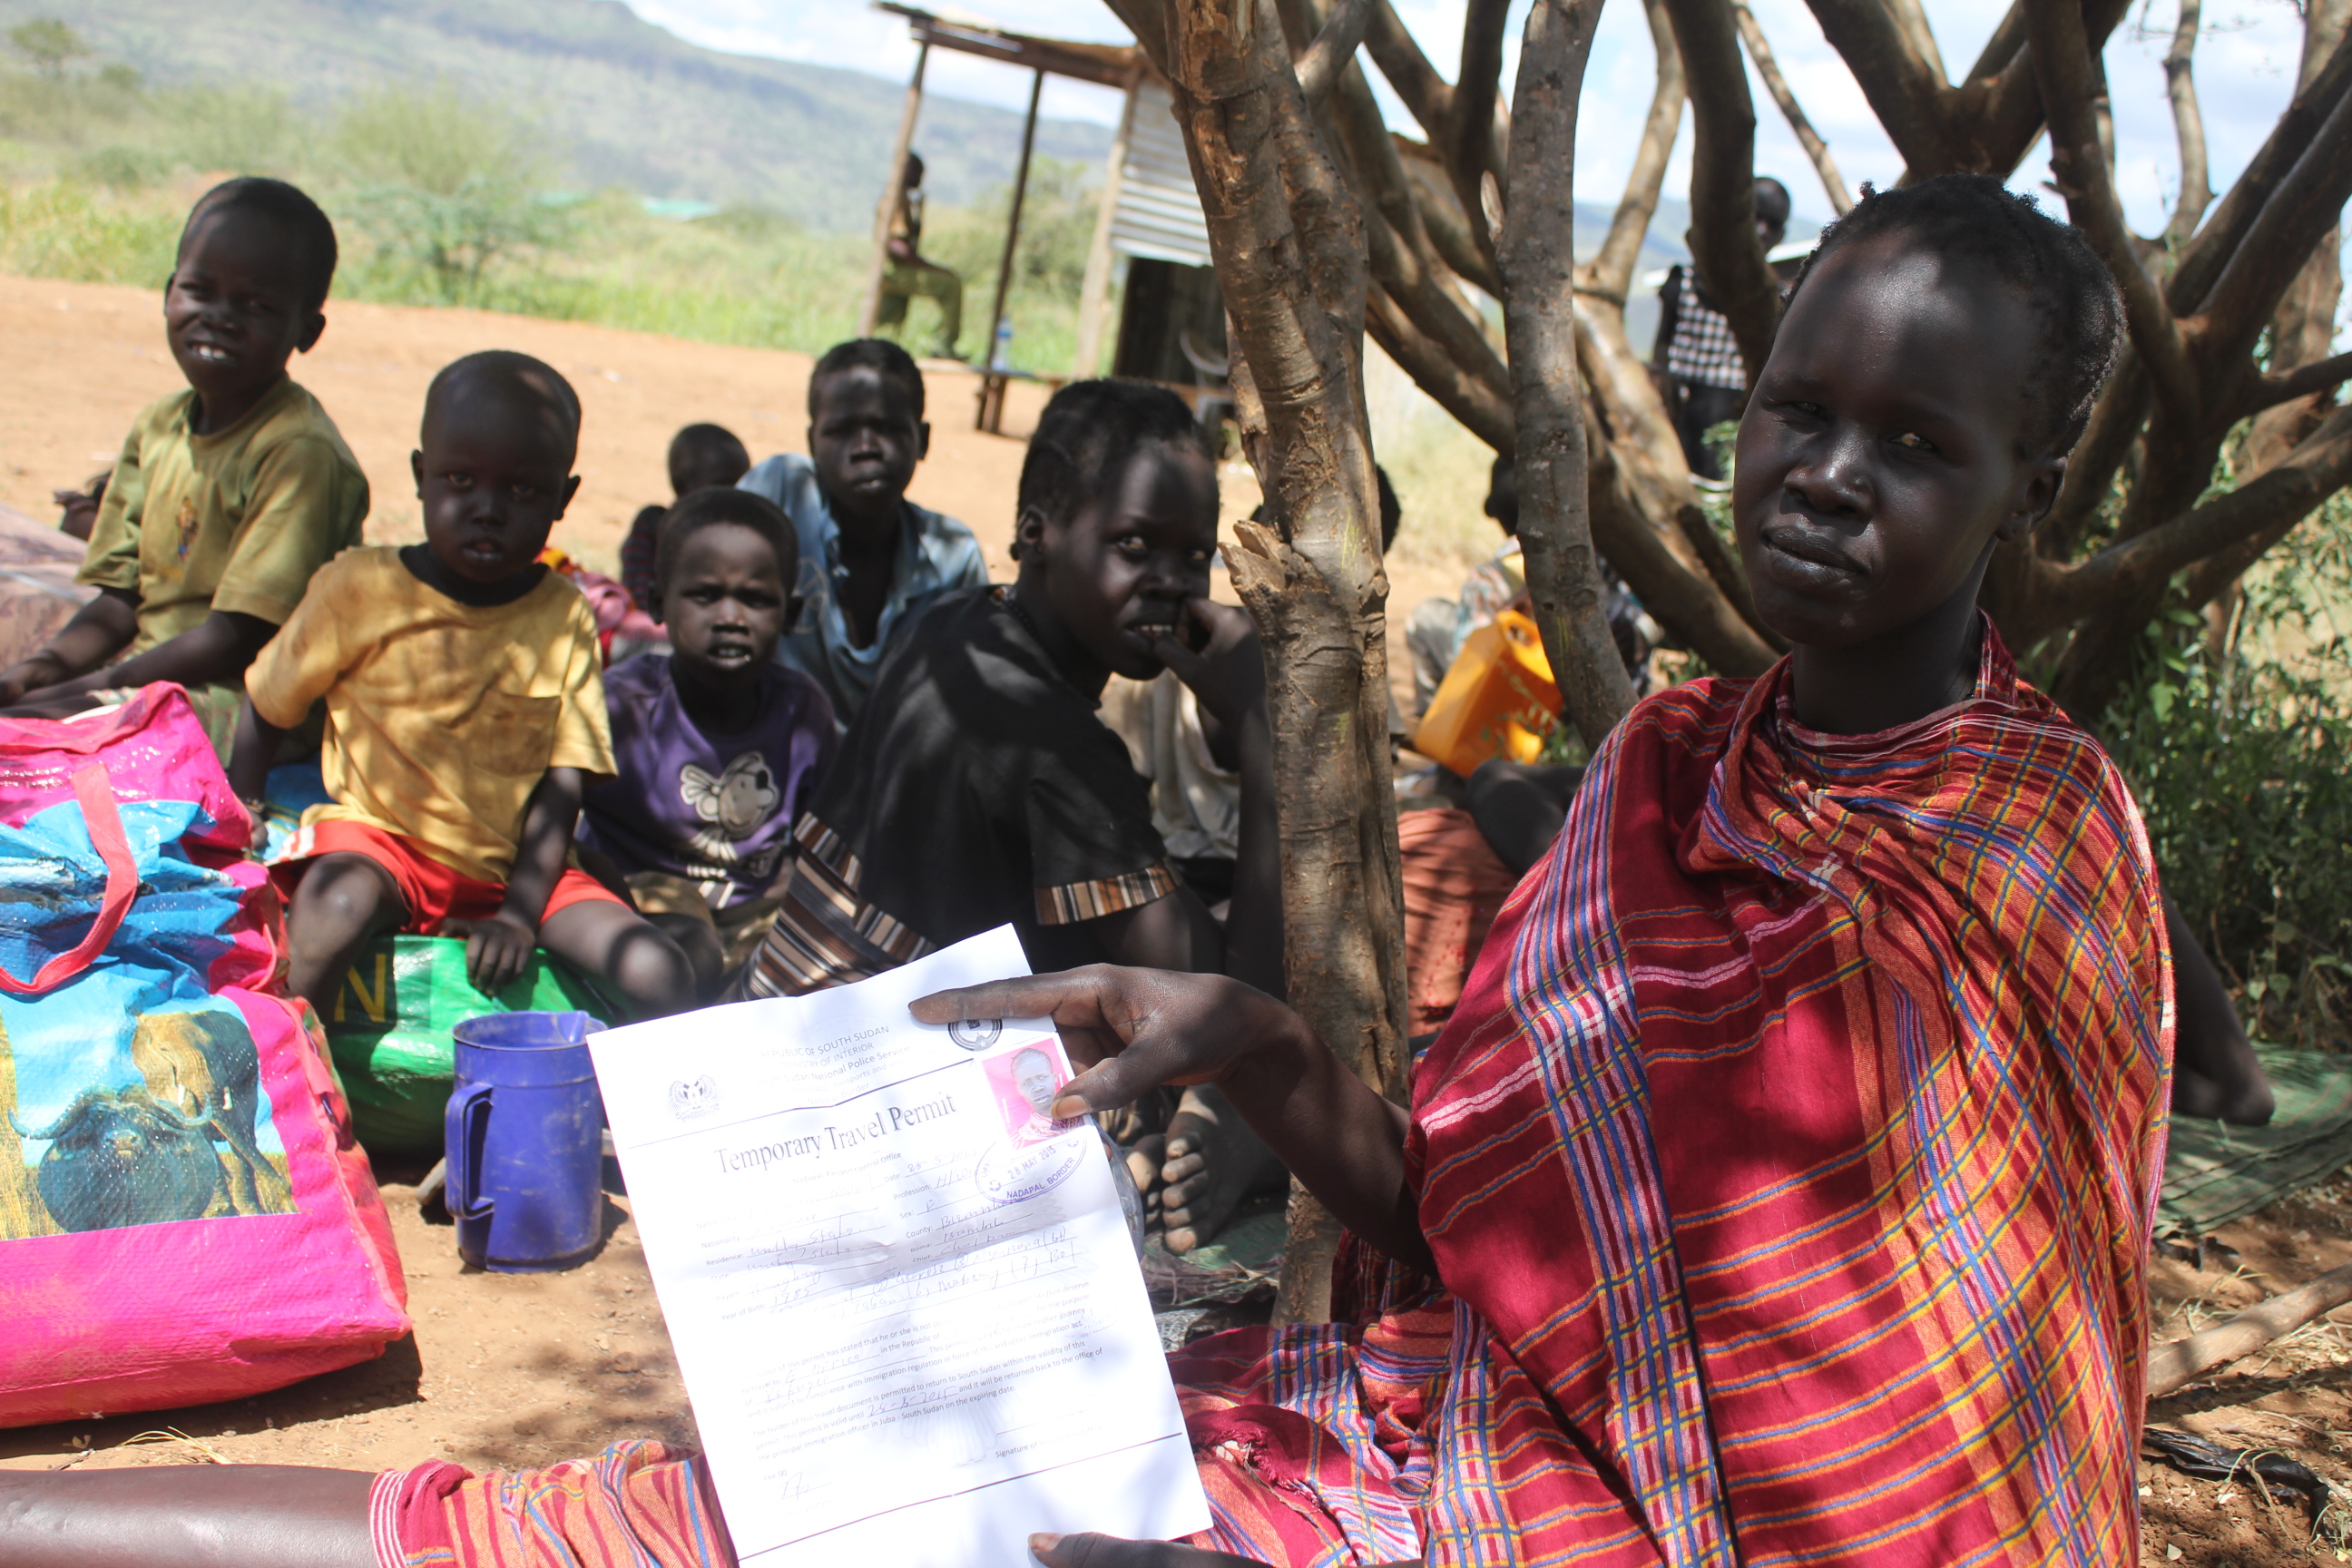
1288,239
1538,262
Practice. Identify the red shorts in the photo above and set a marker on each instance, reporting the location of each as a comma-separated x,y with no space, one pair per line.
432,892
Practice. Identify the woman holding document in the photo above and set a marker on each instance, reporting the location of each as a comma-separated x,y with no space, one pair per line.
1782,1188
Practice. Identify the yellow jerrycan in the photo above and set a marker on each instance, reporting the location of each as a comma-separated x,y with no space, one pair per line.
1497,700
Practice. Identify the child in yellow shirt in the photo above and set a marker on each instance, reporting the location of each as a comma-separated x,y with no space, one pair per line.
464,714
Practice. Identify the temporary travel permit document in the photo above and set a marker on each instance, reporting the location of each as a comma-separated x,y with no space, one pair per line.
903,1296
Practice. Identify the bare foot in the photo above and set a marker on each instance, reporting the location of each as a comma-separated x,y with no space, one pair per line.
1214,1162
1144,1158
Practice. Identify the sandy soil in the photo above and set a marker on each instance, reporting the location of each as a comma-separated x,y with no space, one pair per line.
516,1370
90,355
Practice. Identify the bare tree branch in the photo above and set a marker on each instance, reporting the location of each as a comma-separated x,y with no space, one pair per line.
1334,47
2306,204
2270,390
1660,565
1611,272
1751,33
2202,262
1907,90
2175,1365
2008,39
2189,127
1440,216
1483,411
1913,18
1286,235
2302,326
1468,146
1537,260
2286,494
1400,246
1724,247
2115,421
1427,95
2078,166
1149,20
1397,242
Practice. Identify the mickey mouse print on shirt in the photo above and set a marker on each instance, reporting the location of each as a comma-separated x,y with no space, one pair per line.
736,803
714,810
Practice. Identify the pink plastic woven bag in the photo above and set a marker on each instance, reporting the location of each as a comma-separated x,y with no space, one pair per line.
184,1214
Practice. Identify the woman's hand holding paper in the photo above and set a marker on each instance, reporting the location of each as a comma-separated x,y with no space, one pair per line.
1110,1551
1133,1030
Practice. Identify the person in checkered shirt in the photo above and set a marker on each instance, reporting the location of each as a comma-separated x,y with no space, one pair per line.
1695,361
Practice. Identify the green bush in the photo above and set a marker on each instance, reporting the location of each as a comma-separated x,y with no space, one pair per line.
66,229
1049,265
2237,746
231,130
443,188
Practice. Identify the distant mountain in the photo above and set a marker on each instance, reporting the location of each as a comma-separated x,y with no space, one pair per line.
634,104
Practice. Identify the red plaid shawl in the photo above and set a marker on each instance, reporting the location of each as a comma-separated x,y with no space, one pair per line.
1790,1163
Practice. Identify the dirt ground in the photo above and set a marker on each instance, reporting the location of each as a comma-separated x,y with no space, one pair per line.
513,1370
2295,1399
518,1370
91,355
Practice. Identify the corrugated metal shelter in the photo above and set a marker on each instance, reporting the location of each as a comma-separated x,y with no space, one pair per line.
1150,209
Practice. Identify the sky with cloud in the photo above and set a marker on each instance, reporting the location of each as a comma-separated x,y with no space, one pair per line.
2245,74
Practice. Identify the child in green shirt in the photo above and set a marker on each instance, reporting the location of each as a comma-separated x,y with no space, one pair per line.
227,495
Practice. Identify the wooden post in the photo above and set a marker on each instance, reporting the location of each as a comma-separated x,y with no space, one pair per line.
1094,293
1013,224
894,189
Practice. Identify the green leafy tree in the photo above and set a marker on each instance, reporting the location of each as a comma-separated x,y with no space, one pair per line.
242,130
443,187
49,44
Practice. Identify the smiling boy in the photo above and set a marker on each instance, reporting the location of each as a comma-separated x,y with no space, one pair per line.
871,560
464,715
229,496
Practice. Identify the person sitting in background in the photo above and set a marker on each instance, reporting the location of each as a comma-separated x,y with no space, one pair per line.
1437,628
227,497
717,748
700,456
978,788
78,510
1434,632
1696,360
870,559
465,713
908,277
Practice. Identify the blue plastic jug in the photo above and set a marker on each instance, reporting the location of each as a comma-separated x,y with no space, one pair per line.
524,1136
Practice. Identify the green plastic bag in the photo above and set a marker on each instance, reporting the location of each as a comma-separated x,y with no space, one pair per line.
390,1027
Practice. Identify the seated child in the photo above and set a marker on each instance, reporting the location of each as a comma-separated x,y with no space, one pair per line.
248,486
465,713
700,456
977,787
870,559
1785,1194
1189,761
1437,628
718,747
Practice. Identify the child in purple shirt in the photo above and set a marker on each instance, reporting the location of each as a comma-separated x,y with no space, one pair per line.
718,746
